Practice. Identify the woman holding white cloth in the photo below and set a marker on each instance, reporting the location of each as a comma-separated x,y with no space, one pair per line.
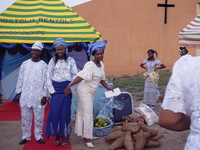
88,79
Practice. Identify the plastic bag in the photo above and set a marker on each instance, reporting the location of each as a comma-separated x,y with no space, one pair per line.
107,105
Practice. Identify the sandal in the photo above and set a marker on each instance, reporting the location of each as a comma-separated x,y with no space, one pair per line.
64,144
89,144
57,141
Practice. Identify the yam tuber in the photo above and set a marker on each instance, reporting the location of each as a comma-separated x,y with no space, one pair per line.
133,136
134,127
128,141
141,139
157,137
153,132
151,143
116,128
114,135
117,144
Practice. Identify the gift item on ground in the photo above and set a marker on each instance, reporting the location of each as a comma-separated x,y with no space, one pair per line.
133,136
107,105
149,115
100,122
132,118
102,126
126,99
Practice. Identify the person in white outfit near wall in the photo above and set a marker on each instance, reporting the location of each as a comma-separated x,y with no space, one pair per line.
32,92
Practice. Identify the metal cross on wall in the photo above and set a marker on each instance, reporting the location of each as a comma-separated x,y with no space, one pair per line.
165,5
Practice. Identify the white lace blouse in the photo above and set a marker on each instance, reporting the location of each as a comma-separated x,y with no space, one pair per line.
63,70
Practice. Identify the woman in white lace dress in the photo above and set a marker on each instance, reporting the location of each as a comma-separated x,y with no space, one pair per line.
151,65
88,79
61,71
181,105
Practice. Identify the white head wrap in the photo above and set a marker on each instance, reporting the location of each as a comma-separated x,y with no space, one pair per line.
37,45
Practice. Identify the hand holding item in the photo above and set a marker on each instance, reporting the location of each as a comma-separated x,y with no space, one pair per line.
43,100
109,89
19,95
68,90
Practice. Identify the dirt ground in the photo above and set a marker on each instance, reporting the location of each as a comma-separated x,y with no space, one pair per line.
10,134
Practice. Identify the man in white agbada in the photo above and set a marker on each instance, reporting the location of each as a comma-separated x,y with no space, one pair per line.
32,92
181,106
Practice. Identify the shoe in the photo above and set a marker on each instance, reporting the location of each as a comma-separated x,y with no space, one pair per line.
89,144
94,137
56,143
64,144
23,141
57,140
41,141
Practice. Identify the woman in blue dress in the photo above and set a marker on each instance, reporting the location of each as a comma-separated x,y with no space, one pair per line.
61,71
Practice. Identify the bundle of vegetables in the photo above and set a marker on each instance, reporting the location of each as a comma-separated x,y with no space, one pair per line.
133,136
136,117
100,122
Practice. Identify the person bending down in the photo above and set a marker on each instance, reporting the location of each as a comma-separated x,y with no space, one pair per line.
88,79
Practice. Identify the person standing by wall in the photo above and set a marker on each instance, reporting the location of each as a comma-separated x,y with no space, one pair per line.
181,105
32,93
151,65
88,79
61,71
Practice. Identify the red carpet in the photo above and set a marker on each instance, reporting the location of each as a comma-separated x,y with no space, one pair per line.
10,111
49,145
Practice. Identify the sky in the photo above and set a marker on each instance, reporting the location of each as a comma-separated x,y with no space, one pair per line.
4,4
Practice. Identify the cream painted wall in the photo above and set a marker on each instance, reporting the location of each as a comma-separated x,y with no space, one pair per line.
134,26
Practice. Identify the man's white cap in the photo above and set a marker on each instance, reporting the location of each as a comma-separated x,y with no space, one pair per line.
37,45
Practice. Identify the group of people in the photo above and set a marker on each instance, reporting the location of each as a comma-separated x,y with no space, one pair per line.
37,79
180,107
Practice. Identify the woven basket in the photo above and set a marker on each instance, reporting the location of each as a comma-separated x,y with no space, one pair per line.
99,131
103,131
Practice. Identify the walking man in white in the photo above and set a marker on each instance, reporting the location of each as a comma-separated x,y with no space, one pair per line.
32,92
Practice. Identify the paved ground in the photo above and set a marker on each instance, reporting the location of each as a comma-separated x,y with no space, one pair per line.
10,134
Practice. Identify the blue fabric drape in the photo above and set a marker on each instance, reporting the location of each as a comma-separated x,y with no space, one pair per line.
2,53
12,62
46,46
8,46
